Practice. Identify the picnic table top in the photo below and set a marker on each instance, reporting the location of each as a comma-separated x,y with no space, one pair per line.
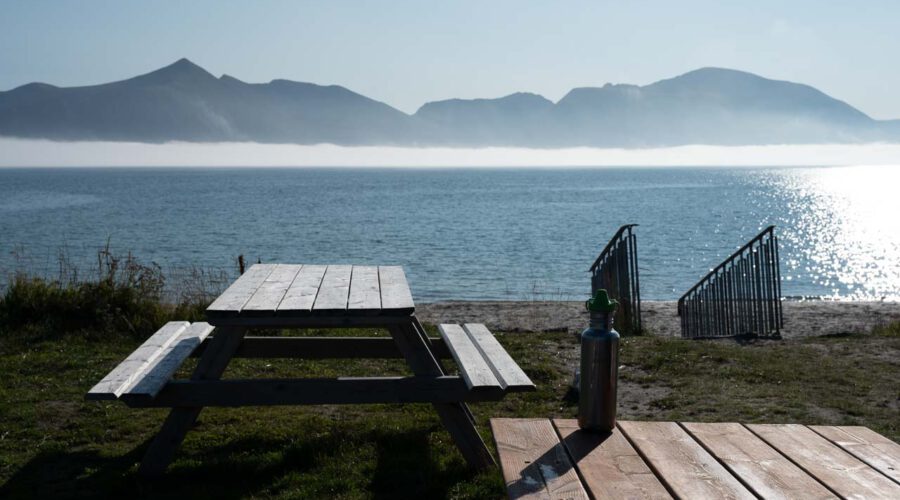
304,290
543,458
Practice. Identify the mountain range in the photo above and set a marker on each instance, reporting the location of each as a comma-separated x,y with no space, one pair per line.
184,102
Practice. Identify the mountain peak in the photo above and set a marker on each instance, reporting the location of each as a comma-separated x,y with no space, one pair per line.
183,68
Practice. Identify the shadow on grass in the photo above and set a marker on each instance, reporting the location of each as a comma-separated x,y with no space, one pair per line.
402,464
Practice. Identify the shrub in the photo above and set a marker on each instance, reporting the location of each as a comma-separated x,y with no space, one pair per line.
125,298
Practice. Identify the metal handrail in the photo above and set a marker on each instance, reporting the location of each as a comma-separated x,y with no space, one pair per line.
616,269
740,296
735,255
604,253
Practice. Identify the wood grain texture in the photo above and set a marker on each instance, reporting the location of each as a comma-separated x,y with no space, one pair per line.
757,464
534,462
867,445
681,463
344,390
301,295
395,294
507,371
334,290
160,371
609,465
842,472
235,296
472,366
365,291
270,293
123,376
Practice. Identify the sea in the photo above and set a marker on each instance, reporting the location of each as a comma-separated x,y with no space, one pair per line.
465,233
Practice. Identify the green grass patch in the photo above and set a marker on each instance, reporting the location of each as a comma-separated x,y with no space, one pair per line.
55,444
56,341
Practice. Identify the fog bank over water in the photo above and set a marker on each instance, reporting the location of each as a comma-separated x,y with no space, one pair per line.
41,153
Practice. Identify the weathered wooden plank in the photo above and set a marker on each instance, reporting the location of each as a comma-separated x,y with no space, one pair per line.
843,473
326,348
235,296
867,445
334,290
473,367
167,363
301,295
305,319
758,465
395,294
268,296
609,465
344,390
122,376
365,291
533,461
507,371
209,367
681,463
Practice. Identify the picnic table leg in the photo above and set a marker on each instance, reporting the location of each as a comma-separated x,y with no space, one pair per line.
456,417
211,365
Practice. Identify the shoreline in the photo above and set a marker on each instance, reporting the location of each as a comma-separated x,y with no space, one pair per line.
806,318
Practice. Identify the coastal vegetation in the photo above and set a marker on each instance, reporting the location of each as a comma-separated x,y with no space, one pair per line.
58,337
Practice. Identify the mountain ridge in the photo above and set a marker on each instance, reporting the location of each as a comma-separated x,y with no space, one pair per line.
184,102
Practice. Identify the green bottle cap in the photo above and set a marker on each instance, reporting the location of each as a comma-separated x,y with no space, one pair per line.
600,302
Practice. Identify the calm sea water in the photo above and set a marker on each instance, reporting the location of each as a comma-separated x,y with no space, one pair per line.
469,233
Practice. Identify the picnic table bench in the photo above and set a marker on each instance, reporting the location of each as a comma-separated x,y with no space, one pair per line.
276,296
549,459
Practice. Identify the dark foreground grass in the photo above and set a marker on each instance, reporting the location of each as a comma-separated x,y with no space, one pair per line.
55,444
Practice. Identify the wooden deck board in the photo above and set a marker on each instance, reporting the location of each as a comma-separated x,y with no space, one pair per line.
758,465
609,465
840,471
698,460
681,463
867,445
534,462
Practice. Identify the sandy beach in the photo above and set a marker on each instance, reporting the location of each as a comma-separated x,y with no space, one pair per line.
801,318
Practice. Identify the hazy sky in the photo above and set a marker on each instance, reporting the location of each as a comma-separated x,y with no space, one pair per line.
406,53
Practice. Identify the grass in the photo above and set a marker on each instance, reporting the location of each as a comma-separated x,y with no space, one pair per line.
55,444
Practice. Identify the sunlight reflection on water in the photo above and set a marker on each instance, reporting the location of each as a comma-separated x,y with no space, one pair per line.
843,223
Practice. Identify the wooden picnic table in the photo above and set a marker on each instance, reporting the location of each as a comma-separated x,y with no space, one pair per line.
543,458
290,296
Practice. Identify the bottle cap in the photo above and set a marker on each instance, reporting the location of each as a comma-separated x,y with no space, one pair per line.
601,302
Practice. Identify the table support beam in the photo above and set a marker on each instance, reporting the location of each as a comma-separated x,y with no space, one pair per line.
324,348
345,390
456,417
210,367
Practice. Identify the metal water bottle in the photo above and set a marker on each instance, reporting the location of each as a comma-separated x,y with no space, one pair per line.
599,366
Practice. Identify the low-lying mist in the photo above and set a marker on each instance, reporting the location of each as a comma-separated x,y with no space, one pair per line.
41,153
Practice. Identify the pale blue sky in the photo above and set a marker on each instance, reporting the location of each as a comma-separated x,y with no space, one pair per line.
408,52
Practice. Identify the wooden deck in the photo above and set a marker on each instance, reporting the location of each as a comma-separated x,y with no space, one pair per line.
543,458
